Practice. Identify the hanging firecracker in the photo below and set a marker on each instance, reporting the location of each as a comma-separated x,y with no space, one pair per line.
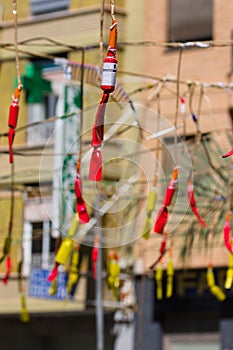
94,256
215,289
80,203
228,154
227,232
193,204
170,275
8,270
64,250
109,70
53,287
162,250
229,274
162,216
158,278
182,105
149,209
13,119
73,271
113,269
24,314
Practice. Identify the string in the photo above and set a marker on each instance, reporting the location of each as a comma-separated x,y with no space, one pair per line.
81,112
102,30
112,7
15,14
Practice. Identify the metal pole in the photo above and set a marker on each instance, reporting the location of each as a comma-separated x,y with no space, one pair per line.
98,290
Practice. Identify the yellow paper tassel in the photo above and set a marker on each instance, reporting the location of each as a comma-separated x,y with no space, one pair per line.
24,315
170,274
158,278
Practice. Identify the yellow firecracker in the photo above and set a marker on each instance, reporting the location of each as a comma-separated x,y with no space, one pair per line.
158,278
24,314
73,273
215,290
229,275
149,209
113,267
53,288
170,274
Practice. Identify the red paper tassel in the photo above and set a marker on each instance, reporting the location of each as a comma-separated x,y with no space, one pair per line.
161,220
228,154
95,171
8,270
53,274
11,135
80,204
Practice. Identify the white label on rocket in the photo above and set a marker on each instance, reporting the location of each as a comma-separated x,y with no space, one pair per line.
109,71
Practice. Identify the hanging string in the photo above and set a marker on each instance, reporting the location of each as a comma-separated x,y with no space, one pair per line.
102,30
15,14
178,89
81,109
112,9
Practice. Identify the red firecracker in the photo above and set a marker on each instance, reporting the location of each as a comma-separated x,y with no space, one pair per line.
80,204
193,205
161,220
94,256
171,188
228,154
226,233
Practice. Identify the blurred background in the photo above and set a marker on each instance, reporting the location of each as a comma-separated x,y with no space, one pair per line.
123,281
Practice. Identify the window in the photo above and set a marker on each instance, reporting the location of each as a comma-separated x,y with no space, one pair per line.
43,244
41,101
190,20
39,7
